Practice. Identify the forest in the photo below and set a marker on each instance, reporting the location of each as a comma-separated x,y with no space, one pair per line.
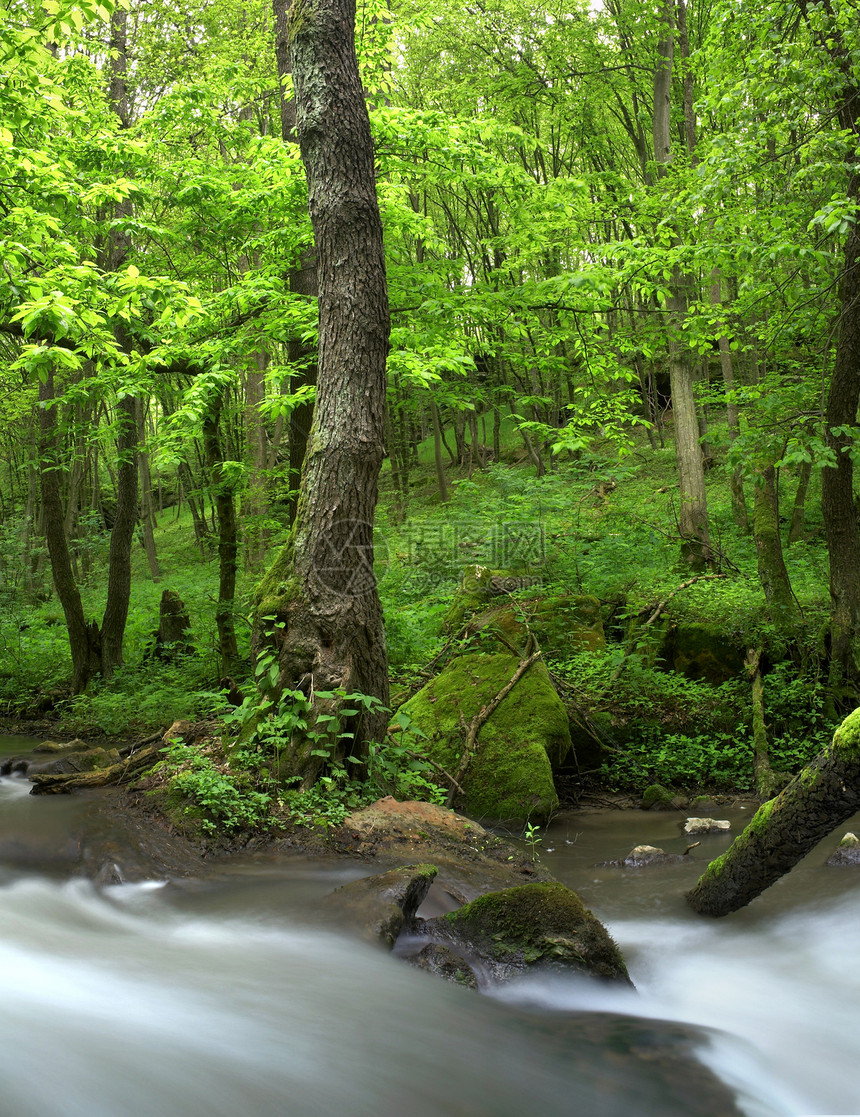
498,395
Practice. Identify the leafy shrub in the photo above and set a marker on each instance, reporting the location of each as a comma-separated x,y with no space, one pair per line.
212,795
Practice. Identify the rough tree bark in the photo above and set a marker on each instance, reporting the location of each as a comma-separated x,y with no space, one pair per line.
785,829
318,606
841,526
303,279
693,518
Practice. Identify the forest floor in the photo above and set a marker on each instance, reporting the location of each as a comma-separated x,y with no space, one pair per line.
602,525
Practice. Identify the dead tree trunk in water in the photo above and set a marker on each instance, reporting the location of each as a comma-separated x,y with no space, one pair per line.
319,605
785,829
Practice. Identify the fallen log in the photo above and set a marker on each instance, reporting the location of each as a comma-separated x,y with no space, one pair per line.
61,783
819,798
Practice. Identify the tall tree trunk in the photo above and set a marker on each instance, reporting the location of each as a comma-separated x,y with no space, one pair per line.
322,587
837,485
303,279
122,532
693,519
837,482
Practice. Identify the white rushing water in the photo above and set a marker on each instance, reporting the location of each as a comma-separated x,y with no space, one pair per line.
220,998
114,1004
784,1001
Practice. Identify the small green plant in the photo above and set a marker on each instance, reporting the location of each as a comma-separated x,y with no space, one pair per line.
215,797
532,838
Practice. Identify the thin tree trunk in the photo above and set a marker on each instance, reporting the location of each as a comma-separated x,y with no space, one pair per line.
147,515
437,452
84,636
765,780
223,490
781,602
255,502
798,509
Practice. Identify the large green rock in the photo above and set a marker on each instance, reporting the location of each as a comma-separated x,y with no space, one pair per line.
525,738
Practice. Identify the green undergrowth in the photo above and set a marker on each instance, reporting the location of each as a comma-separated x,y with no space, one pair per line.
232,782
596,524
657,727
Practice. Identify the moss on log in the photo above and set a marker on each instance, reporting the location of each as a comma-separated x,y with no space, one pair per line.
820,798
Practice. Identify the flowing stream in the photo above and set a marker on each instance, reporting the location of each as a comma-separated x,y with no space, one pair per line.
224,997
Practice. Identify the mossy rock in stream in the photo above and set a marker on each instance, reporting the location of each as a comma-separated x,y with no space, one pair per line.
542,924
524,739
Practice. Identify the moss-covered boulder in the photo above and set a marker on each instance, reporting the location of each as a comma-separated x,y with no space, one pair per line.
562,624
505,933
524,739
701,651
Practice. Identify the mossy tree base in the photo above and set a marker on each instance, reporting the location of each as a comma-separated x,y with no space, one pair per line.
820,798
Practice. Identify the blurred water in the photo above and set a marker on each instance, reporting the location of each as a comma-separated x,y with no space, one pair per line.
222,997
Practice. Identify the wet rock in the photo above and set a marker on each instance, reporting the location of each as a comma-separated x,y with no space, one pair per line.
440,961
377,907
847,852
470,860
706,826
658,798
503,934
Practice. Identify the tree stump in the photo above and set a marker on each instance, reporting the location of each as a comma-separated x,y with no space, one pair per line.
173,638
